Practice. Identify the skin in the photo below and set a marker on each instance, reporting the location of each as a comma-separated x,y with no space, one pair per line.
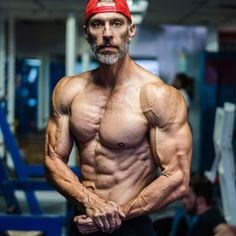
225,230
126,123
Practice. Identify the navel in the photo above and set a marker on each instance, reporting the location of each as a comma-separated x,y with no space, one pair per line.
121,144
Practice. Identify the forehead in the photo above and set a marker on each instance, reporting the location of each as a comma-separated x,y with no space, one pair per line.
106,16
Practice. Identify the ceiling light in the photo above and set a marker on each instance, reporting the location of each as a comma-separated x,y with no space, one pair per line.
138,9
138,6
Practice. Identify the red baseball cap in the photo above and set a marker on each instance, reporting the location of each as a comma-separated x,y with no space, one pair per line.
119,6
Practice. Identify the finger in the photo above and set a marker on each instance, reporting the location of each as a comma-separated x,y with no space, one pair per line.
121,212
114,221
117,220
99,223
84,230
80,217
86,226
118,208
116,216
106,222
80,221
92,231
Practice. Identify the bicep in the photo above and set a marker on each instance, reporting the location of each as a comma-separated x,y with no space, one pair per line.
171,139
172,148
59,140
170,135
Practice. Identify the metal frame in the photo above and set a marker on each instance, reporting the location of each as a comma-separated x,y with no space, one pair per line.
52,224
224,161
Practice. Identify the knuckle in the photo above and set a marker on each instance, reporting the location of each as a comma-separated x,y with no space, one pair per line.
109,214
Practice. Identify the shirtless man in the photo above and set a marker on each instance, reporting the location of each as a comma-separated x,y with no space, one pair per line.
126,123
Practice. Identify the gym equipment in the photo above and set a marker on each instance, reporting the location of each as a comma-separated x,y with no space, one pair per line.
217,84
52,224
224,160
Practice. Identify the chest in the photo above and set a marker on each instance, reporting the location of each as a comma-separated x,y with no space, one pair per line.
115,119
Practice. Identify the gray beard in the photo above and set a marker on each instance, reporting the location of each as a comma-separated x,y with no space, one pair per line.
109,58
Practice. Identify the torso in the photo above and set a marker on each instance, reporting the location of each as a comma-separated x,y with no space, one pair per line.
113,140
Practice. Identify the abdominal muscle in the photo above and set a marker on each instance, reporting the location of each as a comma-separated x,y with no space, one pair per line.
118,175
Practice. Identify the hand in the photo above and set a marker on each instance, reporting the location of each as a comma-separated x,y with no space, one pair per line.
223,230
107,215
85,224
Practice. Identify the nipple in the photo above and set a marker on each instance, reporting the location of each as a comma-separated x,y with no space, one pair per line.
121,144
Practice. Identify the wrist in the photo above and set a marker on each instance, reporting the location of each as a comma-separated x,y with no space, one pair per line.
86,198
91,200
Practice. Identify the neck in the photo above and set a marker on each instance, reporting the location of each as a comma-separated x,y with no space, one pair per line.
116,74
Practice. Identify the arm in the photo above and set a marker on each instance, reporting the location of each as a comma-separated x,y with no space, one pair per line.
225,230
171,144
59,142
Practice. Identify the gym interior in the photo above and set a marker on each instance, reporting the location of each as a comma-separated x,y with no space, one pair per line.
42,41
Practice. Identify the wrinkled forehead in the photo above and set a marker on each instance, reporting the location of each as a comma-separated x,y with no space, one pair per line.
107,16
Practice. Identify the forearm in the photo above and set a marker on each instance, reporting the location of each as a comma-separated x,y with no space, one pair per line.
105,214
158,194
66,182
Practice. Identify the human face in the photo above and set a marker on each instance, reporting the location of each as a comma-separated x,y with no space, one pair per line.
109,35
189,202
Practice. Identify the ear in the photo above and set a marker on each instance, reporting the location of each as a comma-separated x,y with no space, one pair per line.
132,31
85,32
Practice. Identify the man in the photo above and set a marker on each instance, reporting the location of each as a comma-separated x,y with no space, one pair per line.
125,123
184,84
199,202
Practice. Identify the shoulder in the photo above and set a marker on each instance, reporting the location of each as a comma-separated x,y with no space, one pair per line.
162,103
66,89
157,88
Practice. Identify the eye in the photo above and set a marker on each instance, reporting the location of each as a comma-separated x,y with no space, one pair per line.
97,24
117,24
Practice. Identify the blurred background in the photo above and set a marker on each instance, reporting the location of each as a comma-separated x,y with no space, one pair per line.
42,40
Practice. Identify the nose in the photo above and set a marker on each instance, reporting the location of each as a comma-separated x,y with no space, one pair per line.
107,33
